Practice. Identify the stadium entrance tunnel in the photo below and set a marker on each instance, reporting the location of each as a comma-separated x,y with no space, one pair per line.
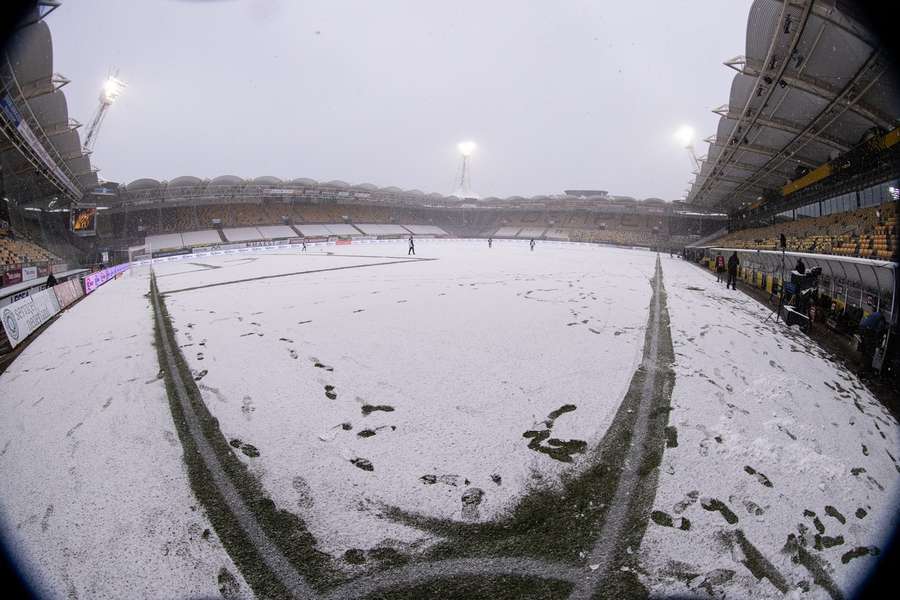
575,541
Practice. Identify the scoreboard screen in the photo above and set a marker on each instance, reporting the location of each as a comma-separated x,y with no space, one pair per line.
83,220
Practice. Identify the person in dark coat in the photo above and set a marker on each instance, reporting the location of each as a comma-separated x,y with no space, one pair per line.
412,247
800,267
51,280
733,264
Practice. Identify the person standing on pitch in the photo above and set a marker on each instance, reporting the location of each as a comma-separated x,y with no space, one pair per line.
303,247
412,247
490,242
531,243
733,263
720,267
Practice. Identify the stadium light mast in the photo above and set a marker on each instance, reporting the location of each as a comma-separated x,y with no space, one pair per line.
685,136
110,92
464,185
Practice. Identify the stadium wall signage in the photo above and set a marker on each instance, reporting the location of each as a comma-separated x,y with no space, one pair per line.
67,292
12,276
24,316
165,253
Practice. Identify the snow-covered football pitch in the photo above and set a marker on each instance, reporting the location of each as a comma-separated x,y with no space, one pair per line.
348,421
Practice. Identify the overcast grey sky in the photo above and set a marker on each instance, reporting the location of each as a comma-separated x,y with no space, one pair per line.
557,94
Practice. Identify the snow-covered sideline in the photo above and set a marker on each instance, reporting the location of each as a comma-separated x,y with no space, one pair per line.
788,440
95,500
455,358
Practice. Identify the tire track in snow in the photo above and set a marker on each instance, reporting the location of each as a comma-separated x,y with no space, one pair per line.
629,510
277,563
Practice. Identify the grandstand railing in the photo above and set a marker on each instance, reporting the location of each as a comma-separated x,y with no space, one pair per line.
852,281
58,173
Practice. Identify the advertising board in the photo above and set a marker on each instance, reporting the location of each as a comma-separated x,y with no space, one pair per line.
29,273
24,316
67,292
95,280
12,276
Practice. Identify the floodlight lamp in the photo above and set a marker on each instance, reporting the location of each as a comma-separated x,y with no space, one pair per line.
685,135
466,148
111,89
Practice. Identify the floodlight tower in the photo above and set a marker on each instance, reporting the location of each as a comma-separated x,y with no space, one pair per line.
464,185
112,88
685,136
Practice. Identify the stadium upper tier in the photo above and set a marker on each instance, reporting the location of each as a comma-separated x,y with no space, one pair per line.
813,84
121,226
192,190
15,251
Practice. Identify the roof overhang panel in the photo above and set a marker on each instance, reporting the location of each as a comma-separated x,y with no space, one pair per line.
31,53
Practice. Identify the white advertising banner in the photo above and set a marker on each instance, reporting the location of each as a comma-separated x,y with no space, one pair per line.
67,292
29,273
23,317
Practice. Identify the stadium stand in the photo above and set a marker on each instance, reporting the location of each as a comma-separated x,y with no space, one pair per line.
18,251
425,230
276,232
857,233
507,232
342,229
166,241
242,234
532,232
382,229
201,238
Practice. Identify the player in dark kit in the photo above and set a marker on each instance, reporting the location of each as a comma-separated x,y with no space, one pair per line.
412,247
531,243
490,242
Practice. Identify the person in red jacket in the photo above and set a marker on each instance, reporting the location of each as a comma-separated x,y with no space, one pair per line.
720,267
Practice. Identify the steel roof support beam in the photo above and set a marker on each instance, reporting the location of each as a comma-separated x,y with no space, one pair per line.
864,79
785,126
776,178
746,121
810,85
772,152
837,19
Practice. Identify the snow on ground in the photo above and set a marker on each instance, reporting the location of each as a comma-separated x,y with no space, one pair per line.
411,384
414,385
95,497
773,430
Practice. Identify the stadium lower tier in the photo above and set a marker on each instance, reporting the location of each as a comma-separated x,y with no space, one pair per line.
866,233
15,251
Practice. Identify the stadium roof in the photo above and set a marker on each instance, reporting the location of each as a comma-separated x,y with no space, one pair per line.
267,180
226,180
185,181
143,184
35,91
813,84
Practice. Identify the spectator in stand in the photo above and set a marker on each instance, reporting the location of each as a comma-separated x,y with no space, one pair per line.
800,267
733,263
